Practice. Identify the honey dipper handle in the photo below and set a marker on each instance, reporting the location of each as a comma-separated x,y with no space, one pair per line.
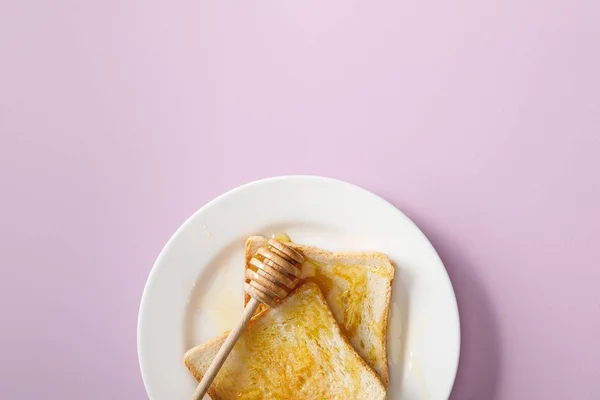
225,349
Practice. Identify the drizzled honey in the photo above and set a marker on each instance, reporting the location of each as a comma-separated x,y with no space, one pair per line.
292,355
345,288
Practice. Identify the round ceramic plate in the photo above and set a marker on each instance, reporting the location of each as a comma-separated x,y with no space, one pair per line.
195,290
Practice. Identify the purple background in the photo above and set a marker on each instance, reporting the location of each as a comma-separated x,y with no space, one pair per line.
479,119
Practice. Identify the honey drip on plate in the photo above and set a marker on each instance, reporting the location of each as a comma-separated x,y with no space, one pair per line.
282,237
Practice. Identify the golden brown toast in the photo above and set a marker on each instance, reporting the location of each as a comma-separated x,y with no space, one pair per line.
357,287
293,351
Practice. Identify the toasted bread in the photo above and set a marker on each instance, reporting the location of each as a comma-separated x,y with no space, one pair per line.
357,287
293,351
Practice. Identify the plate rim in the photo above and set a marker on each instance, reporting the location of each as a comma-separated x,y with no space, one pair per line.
155,266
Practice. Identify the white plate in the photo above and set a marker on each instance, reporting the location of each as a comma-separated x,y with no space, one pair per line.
194,291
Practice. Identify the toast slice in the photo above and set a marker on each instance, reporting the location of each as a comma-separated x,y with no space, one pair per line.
293,351
357,287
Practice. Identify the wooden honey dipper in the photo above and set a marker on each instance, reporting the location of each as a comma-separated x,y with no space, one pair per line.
277,272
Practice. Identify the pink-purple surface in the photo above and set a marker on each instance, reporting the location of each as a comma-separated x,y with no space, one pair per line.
479,119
